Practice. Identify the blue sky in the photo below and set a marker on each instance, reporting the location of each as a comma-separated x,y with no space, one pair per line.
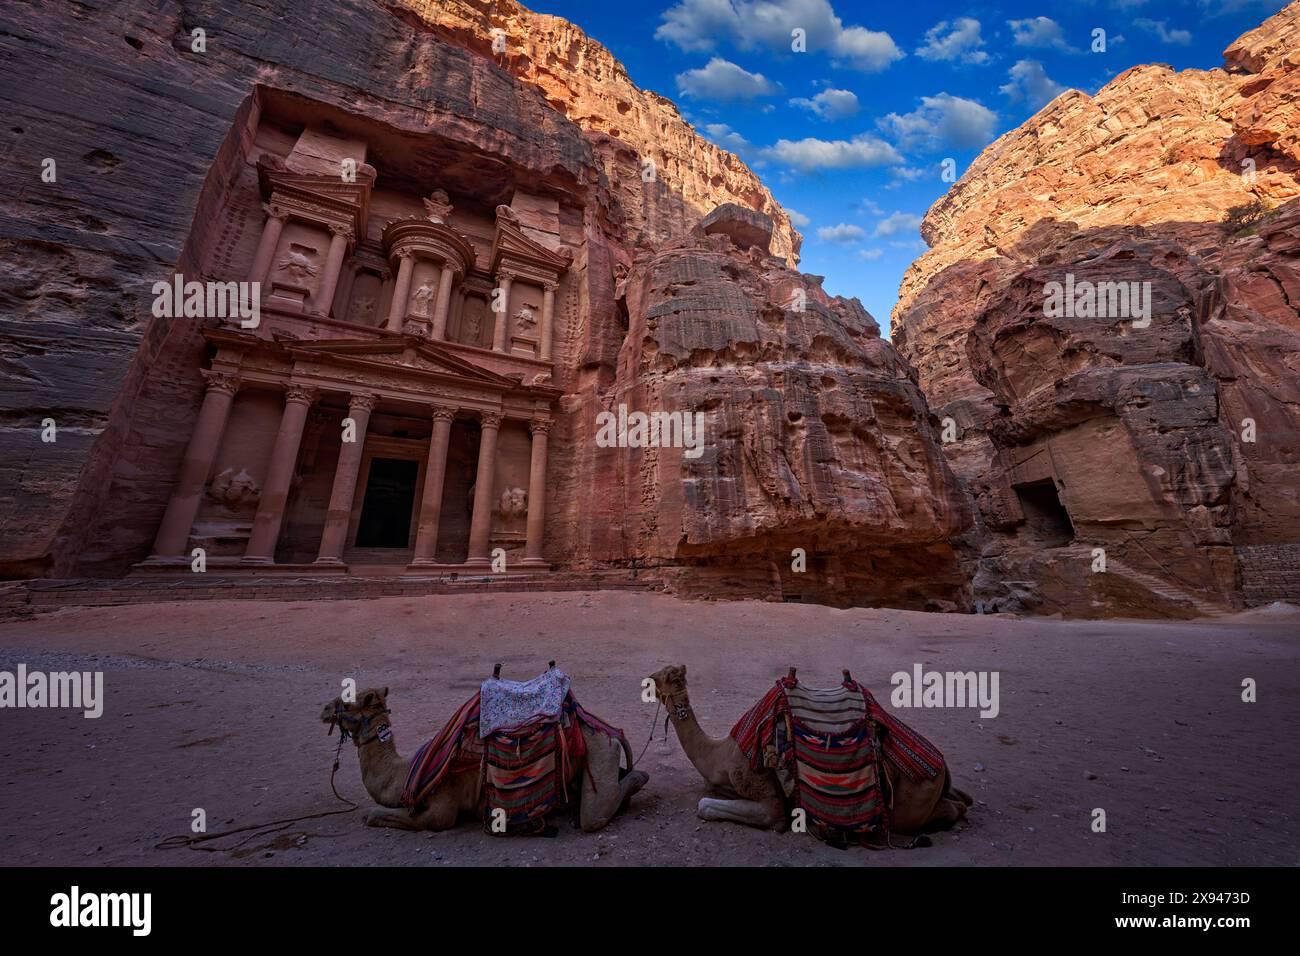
851,134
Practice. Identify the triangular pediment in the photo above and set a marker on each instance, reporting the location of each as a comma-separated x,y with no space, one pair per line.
407,355
511,243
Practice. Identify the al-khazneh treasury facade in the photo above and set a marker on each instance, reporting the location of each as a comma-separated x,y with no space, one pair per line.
393,404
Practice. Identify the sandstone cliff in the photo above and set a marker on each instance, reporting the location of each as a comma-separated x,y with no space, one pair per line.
583,81
680,296
1172,447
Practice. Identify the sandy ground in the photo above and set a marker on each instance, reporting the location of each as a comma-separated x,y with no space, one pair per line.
216,705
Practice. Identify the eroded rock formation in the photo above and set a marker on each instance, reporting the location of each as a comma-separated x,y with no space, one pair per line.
386,172
1172,446
625,124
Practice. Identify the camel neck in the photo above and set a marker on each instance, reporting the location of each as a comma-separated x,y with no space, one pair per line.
693,739
383,771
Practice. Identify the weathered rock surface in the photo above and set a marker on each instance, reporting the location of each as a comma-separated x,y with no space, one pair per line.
1166,446
627,125
815,435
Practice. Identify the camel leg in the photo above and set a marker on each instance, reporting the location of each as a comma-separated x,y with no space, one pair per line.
440,814
752,813
602,799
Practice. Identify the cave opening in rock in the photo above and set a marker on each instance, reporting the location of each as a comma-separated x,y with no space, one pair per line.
1046,520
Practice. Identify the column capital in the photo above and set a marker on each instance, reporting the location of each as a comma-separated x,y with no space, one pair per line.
541,426
302,394
405,255
275,211
443,413
363,400
341,229
506,275
550,285
222,382
491,419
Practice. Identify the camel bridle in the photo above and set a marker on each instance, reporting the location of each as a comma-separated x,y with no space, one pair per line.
677,703
357,726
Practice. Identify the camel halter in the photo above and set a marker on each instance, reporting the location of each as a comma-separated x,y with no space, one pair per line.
357,726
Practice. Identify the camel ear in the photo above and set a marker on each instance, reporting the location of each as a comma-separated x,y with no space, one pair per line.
384,695
683,672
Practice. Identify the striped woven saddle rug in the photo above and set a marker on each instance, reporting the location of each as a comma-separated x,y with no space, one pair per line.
825,745
525,766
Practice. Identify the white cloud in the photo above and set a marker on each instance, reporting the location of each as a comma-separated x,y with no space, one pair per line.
844,233
830,104
869,255
798,219
867,50
942,121
811,154
1160,28
1030,82
958,41
897,222
723,80
697,25
1042,32
727,138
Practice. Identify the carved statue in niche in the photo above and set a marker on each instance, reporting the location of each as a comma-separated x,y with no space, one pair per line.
297,262
513,504
423,299
473,323
438,206
233,490
364,311
525,321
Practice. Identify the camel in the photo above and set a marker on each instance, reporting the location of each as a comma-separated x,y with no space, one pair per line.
383,772
755,797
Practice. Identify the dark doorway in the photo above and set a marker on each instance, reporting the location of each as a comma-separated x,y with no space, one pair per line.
1047,520
390,498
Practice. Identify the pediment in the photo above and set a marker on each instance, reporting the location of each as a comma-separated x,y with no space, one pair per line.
510,243
404,355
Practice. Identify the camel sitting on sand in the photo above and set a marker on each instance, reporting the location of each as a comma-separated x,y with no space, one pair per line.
756,797
384,773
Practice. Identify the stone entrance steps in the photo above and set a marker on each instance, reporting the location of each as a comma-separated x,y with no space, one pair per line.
48,594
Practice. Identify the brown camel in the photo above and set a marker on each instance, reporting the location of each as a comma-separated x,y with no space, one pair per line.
383,773
755,797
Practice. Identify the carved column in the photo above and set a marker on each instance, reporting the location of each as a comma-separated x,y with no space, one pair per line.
340,236
480,526
504,280
270,241
548,321
443,306
275,490
174,532
435,471
401,292
334,538
541,429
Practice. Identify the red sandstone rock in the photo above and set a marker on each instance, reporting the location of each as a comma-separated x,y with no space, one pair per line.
1139,430
815,435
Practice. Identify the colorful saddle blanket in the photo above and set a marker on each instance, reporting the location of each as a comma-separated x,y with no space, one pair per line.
524,766
825,746
507,703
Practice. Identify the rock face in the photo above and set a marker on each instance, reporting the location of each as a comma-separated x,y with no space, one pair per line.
811,469
626,125
815,438
1162,443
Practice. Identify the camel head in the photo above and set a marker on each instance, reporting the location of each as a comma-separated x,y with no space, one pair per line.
670,688
362,719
